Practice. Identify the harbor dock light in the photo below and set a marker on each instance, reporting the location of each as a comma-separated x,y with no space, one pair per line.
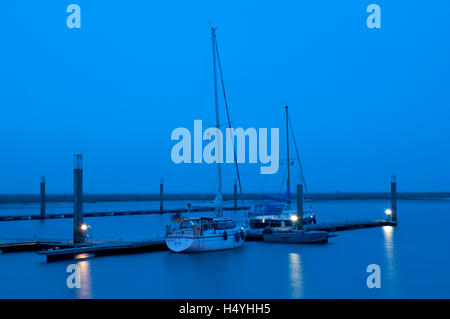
388,214
294,218
84,228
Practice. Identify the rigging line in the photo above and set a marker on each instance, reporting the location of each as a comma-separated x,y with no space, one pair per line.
229,121
298,155
282,180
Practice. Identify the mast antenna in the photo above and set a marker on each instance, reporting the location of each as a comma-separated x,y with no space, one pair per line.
229,124
219,197
288,182
302,175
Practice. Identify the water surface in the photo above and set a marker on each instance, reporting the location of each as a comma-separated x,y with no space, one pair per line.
414,258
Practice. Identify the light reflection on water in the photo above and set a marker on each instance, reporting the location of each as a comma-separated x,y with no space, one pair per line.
388,232
390,267
85,292
295,275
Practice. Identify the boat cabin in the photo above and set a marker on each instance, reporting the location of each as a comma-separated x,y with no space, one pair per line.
208,223
268,209
261,223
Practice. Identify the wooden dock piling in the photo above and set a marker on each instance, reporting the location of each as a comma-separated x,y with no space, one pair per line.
394,198
43,196
78,233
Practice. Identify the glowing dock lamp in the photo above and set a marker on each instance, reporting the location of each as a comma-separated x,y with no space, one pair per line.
294,218
388,213
84,228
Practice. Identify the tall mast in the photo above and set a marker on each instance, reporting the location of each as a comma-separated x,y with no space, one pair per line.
288,182
216,101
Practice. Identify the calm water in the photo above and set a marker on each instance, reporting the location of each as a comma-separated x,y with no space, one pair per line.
414,258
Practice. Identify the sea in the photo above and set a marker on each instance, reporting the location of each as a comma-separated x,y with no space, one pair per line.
412,260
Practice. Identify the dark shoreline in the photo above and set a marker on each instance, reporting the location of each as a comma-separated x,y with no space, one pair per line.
35,198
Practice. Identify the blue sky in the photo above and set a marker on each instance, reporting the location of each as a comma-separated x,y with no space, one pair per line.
365,103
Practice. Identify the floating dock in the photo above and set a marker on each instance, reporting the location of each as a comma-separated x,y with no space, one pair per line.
336,226
60,250
14,246
117,213
349,225
105,249
94,198
55,250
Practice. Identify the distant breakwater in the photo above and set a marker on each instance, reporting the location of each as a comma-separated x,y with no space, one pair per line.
35,198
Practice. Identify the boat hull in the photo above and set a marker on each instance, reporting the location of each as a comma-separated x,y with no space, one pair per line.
254,234
188,243
297,237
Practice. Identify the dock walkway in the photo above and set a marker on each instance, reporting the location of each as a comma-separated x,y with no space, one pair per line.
65,249
349,225
117,213
336,226
104,249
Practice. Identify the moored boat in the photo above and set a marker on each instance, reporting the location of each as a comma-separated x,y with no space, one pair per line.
294,236
208,233
285,225
273,215
205,234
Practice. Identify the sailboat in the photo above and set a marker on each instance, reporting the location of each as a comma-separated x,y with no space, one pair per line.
279,222
208,233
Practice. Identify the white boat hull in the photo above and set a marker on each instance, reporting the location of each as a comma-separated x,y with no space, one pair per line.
187,242
297,237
